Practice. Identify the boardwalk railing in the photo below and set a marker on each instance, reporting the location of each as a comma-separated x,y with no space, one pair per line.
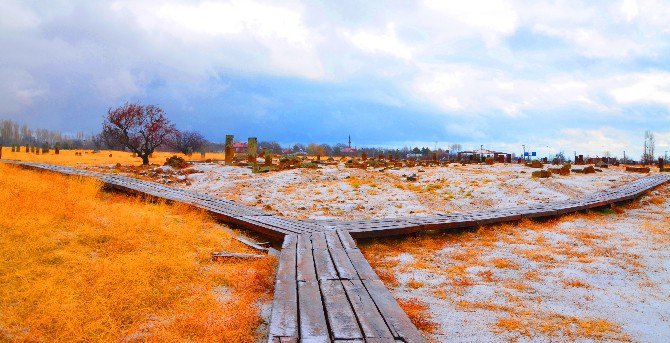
325,289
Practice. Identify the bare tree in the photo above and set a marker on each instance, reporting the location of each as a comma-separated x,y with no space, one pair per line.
316,150
274,146
139,128
187,142
649,148
560,156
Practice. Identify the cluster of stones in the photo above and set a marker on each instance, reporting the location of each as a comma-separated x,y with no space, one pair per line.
31,149
593,165
392,160
251,157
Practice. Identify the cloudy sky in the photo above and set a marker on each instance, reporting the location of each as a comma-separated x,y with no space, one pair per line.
590,76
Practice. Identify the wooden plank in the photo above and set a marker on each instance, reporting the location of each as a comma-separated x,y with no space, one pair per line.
333,240
371,321
325,267
345,270
319,241
255,245
343,322
305,267
347,241
363,268
312,318
305,242
283,339
284,322
398,322
221,256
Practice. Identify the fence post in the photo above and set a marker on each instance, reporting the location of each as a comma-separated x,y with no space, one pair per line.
229,149
252,147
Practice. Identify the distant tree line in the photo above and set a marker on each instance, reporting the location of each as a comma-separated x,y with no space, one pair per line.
142,129
14,134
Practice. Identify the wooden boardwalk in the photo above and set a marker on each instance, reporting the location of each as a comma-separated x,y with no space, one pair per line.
325,289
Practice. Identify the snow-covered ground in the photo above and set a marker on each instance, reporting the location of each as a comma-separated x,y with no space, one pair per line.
347,193
584,277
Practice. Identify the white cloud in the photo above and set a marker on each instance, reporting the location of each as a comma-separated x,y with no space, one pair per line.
630,9
490,16
475,90
265,38
643,88
474,59
386,42
18,90
14,16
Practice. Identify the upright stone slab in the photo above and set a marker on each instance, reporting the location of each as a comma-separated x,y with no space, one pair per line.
268,157
229,149
661,164
364,156
252,149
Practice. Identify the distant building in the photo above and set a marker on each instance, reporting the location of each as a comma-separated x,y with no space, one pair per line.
240,148
348,150
480,154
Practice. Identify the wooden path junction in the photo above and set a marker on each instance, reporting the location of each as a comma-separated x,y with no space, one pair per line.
325,290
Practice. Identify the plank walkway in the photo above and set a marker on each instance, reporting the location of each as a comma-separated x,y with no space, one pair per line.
325,289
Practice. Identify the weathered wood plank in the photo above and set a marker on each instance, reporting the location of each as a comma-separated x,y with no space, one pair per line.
345,270
341,317
398,322
305,268
312,318
221,256
363,268
347,241
324,265
371,321
284,321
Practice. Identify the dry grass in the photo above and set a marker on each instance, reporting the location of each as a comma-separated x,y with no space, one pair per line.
79,264
503,263
575,283
88,157
418,313
414,283
357,182
657,200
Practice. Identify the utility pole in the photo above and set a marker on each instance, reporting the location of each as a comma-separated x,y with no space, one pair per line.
624,157
524,151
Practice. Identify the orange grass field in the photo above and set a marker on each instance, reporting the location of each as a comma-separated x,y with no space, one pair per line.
81,264
88,157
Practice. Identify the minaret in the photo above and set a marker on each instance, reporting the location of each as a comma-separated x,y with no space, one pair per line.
349,141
